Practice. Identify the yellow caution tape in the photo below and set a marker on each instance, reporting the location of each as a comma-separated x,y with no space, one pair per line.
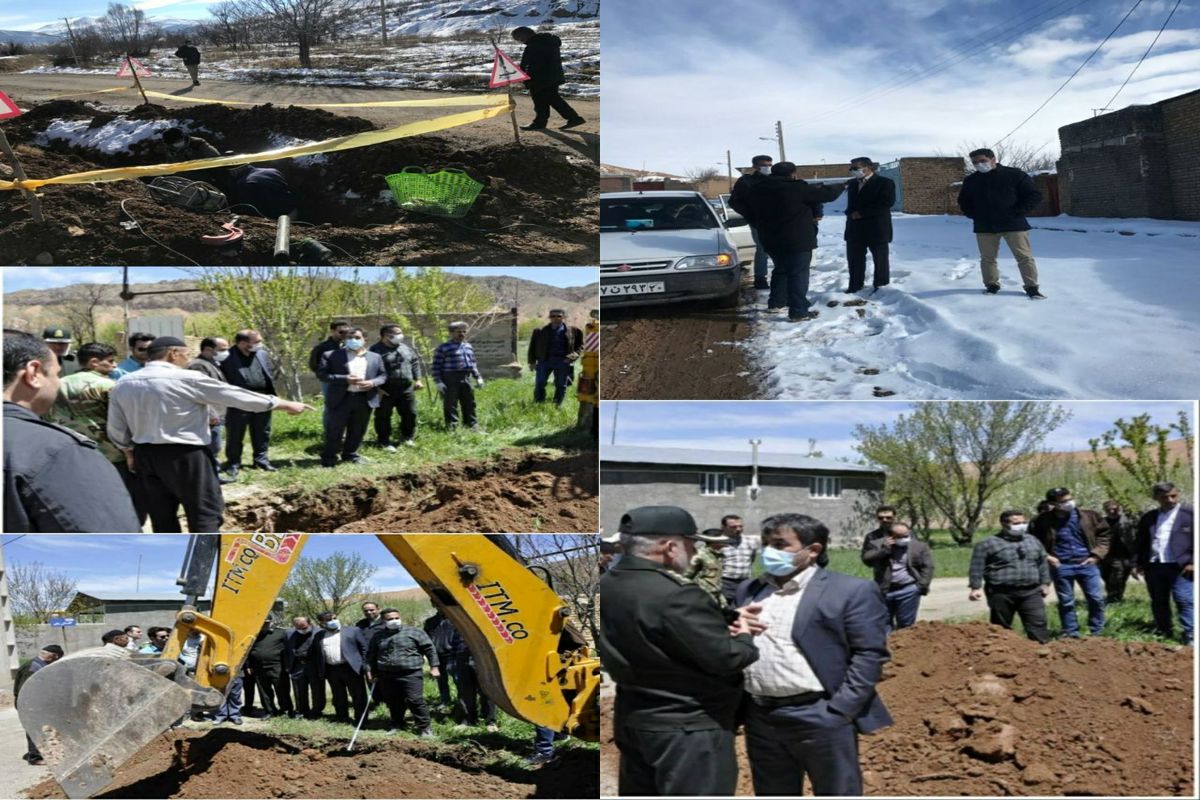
466,100
326,146
94,91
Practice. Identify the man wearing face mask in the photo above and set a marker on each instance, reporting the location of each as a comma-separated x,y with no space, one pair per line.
160,416
996,199
812,690
354,375
1118,564
760,168
399,391
297,647
338,655
903,568
869,201
676,658
1076,540
395,657
56,480
213,352
249,367
1011,569
1163,554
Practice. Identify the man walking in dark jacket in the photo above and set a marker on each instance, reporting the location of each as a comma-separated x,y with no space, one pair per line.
1165,547
760,169
553,350
394,660
191,61
903,567
542,61
399,393
784,208
869,201
997,198
45,657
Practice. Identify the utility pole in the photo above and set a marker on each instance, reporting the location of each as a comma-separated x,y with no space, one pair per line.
779,138
137,587
729,167
754,487
71,40
616,412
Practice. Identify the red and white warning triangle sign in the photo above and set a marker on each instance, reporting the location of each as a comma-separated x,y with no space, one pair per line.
138,67
8,108
505,71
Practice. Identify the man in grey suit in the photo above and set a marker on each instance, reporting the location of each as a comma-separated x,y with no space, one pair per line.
812,689
1163,554
354,375
338,655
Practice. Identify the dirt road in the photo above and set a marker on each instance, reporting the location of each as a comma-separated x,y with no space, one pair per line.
15,775
678,352
28,89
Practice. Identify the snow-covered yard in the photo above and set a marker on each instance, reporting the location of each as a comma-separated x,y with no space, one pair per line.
1121,318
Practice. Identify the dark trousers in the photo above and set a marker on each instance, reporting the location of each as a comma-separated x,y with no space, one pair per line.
215,443
1028,603
729,588
273,684
856,257
903,605
403,691
545,98
459,392
304,686
1166,582
231,709
1115,572
248,688
471,700
561,369
236,423
404,403
676,763
760,257
786,744
180,474
31,751
342,680
134,486
346,427
789,282
443,679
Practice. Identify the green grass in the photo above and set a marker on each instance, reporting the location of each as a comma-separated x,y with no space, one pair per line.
1128,621
949,560
508,418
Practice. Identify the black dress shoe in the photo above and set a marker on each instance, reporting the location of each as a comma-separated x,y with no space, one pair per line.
991,288
265,466
572,123
804,317
231,470
1033,293
761,285
533,127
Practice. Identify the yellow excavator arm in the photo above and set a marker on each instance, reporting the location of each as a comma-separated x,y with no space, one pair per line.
530,660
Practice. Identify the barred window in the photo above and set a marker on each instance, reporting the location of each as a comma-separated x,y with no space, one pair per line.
716,484
824,487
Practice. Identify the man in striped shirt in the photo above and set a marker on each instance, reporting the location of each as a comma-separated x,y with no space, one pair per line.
453,369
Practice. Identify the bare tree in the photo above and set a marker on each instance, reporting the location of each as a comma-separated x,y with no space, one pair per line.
304,22
231,24
333,583
81,312
127,30
702,175
572,565
36,591
1022,155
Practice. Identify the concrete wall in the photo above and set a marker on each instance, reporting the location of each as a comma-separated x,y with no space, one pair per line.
925,181
9,660
1181,126
626,486
616,183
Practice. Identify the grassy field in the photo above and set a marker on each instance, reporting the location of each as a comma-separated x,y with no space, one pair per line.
1127,621
508,418
948,562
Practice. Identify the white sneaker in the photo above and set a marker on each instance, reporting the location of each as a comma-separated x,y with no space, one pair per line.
492,727
391,448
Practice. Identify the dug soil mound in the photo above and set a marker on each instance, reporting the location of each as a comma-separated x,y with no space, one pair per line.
982,711
537,205
244,764
516,492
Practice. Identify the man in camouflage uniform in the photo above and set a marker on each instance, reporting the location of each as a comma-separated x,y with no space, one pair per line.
708,564
1116,567
82,406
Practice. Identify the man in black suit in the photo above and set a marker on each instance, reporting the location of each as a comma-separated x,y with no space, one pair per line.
297,647
812,689
553,350
1164,555
542,61
338,655
869,201
248,366
354,375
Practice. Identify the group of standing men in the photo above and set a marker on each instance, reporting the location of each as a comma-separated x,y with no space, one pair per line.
784,211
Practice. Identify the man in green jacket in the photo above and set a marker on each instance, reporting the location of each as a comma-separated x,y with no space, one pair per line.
395,657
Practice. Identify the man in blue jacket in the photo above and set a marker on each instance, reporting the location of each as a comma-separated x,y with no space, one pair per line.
1164,555
248,366
354,375
812,689
338,655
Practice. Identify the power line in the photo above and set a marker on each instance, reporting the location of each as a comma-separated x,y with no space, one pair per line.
1073,74
999,34
1109,104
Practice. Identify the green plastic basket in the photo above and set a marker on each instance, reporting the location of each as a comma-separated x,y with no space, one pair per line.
446,193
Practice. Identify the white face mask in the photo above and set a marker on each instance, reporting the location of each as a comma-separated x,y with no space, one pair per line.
764,170
858,173
220,356
254,348
396,339
986,166
393,624
1022,528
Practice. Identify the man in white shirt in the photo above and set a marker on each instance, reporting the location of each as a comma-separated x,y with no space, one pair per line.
1163,554
338,655
812,689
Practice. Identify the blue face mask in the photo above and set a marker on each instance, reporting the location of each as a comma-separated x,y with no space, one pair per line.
333,625
778,562
354,344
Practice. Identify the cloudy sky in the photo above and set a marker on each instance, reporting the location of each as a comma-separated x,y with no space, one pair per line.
14,279
685,80
786,427
31,16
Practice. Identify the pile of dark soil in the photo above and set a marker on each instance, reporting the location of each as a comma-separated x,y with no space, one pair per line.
514,492
537,205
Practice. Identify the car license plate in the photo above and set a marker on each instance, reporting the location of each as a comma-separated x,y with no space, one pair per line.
610,290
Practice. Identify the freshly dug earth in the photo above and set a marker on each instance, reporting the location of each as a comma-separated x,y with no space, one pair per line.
537,205
982,711
243,764
514,492
698,353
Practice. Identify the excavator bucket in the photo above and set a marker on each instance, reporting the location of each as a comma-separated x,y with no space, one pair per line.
89,713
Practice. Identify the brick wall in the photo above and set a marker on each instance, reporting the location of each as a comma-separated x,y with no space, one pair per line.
616,183
1181,127
925,181
823,171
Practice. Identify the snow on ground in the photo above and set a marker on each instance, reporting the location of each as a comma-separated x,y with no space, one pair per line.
111,138
1121,318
